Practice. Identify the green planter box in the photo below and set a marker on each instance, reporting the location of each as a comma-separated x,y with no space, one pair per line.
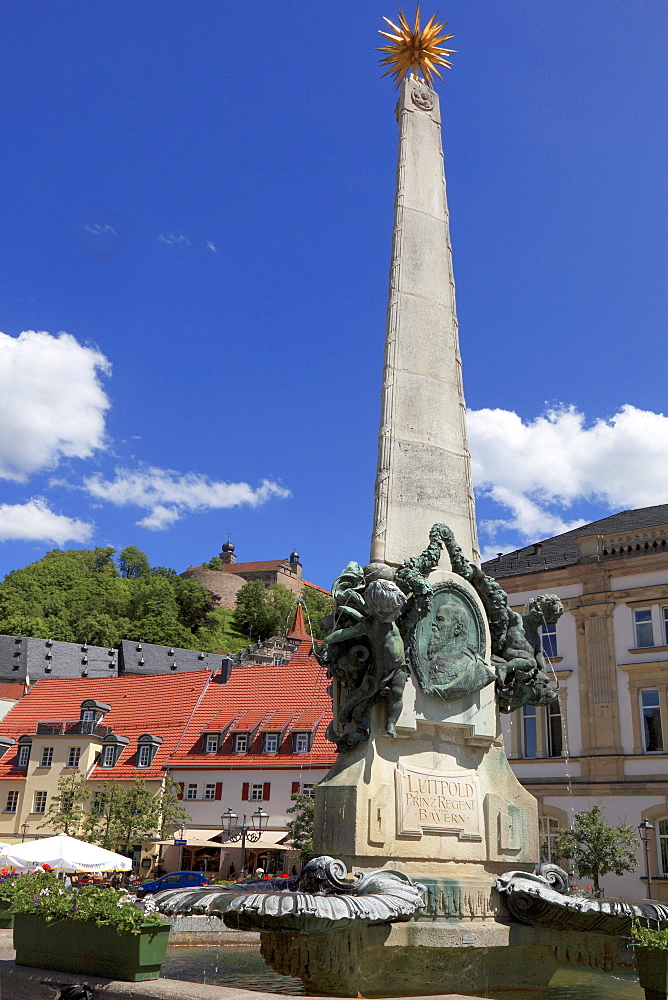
653,971
73,946
6,915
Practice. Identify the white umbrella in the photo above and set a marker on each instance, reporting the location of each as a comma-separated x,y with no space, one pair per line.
66,853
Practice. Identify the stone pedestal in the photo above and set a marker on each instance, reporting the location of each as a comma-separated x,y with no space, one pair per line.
441,956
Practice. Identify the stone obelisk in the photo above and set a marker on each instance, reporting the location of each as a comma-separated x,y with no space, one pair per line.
424,466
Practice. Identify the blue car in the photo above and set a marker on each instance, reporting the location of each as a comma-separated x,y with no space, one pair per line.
175,880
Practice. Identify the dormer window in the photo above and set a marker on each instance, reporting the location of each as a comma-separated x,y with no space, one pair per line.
147,749
23,755
92,713
301,742
271,743
240,742
112,750
211,742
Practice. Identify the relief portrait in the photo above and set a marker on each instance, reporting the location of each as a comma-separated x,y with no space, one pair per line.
447,651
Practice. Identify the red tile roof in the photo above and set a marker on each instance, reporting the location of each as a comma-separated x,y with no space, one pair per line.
160,705
254,567
290,692
316,587
178,707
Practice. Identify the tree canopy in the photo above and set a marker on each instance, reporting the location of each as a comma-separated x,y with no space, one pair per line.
86,595
595,847
262,612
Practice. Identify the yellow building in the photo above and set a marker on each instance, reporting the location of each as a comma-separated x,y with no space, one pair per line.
605,740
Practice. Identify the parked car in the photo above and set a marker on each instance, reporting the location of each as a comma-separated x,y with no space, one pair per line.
175,880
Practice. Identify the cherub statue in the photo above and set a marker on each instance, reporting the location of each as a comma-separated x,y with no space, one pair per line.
368,658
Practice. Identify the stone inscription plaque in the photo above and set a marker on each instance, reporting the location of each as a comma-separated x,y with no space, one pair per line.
437,802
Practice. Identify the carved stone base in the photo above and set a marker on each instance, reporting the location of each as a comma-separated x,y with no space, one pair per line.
431,958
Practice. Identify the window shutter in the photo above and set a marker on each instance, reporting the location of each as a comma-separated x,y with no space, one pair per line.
244,791
265,791
295,787
219,791
182,786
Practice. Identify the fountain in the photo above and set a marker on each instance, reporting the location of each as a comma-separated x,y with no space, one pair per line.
421,804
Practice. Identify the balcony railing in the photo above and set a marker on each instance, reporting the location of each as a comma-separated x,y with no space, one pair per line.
74,728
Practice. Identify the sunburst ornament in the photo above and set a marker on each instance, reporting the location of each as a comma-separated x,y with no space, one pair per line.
415,50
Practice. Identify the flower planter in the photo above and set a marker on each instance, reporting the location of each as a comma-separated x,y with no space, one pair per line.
6,915
653,971
74,946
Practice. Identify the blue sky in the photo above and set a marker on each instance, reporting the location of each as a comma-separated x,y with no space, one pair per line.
199,194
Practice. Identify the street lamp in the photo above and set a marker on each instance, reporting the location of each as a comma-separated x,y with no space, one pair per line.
24,830
243,831
645,830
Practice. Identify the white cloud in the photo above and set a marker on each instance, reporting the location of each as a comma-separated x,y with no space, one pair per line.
97,229
211,246
34,521
160,518
556,460
52,404
167,495
173,240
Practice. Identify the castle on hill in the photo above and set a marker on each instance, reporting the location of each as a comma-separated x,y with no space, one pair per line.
225,582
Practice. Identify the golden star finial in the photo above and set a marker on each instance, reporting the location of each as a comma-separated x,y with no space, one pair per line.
414,50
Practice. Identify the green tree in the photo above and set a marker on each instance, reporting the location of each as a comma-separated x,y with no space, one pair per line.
99,826
218,634
253,613
300,829
66,812
78,595
214,563
172,812
133,563
137,814
595,847
318,605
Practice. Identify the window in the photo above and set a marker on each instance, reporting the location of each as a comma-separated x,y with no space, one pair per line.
301,743
73,756
549,641
256,793
662,833
211,743
554,729
39,802
210,791
191,791
88,715
548,829
308,789
12,802
665,626
145,755
240,743
24,755
643,626
109,755
270,743
97,804
66,802
651,721
529,741
46,759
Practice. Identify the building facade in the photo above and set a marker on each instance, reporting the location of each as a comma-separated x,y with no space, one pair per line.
604,741
242,738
